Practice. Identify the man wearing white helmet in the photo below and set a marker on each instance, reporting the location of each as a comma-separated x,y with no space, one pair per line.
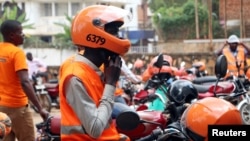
236,53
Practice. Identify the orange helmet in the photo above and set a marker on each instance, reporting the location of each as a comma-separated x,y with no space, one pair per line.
208,111
88,28
165,68
247,72
151,70
5,124
200,65
166,58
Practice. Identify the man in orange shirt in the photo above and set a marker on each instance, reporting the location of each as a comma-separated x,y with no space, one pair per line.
86,92
15,86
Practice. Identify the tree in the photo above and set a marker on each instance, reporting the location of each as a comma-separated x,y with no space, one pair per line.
64,39
176,19
11,11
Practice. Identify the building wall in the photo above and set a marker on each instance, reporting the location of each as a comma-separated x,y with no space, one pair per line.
233,9
188,51
45,25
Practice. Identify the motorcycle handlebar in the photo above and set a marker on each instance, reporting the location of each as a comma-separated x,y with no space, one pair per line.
40,125
159,134
154,135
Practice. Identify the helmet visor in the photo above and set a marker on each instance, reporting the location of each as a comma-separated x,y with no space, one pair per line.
111,14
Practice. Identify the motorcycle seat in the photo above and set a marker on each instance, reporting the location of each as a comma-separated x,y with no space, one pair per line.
50,85
205,79
202,88
222,88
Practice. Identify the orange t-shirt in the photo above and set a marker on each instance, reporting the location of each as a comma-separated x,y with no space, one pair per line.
12,59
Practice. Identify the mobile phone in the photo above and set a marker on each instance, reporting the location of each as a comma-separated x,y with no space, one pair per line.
113,57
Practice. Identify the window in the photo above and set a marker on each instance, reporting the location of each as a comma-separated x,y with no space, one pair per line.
46,9
47,39
61,9
75,7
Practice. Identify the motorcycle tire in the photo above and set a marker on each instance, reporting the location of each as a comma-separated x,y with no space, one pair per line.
45,102
245,113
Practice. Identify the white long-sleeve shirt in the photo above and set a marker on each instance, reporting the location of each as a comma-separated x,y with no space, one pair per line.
128,73
36,65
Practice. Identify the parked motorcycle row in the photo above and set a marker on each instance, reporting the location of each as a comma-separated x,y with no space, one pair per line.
162,109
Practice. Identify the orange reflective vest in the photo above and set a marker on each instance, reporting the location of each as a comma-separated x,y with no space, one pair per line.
231,61
94,87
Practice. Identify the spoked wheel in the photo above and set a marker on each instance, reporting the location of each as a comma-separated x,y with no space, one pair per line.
45,102
245,113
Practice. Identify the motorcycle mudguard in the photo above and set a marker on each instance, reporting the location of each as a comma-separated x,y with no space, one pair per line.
55,125
142,94
242,103
158,104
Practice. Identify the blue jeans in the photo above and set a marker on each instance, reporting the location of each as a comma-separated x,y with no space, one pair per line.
120,99
119,108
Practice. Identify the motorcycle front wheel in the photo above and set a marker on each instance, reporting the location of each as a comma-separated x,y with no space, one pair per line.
245,113
45,102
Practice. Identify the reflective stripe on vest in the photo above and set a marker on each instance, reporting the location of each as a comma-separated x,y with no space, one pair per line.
72,129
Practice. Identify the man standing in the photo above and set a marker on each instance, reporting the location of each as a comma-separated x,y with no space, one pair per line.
36,67
236,54
86,92
15,86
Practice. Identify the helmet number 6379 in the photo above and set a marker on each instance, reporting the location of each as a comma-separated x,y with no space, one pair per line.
96,39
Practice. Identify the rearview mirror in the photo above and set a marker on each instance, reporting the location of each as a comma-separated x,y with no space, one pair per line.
221,66
126,118
159,61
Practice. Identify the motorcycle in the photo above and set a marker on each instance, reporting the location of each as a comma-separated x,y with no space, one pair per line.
128,116
52,87
233,89
150,118
126,120
197,70
157,85
129,89
41,94
49,130
182,130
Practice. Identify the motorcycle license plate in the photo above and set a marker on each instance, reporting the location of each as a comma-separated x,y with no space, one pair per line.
39,87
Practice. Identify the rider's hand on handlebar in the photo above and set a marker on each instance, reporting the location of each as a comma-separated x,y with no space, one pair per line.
44,114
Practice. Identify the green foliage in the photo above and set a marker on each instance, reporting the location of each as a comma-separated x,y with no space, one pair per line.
176,19
11,11
64,39
154,5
